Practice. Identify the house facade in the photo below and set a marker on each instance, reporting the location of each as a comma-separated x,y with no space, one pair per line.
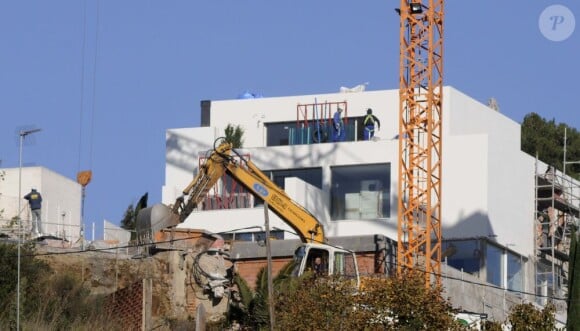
489,186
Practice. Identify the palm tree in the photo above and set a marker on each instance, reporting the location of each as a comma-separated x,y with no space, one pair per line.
234,135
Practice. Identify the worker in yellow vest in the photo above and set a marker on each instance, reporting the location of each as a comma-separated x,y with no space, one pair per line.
370,123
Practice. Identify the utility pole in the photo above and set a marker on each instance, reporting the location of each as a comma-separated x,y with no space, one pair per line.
23,134
83,178
269,268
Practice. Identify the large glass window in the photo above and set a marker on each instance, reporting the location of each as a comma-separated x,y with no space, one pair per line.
493,265
544,282
463,255
344,264
515,272
252,236
289,133
279,134
503,269
312,176
361,191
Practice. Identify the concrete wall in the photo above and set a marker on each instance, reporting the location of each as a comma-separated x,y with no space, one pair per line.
468,293
61,200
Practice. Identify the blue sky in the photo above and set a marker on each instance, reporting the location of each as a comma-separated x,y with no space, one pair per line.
146,66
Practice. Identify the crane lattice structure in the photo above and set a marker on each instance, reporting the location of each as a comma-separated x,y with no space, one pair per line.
420,105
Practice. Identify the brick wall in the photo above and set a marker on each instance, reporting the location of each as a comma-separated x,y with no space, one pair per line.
126,305
367,263
248,269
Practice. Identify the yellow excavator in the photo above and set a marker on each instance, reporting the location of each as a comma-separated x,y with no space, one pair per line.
308,256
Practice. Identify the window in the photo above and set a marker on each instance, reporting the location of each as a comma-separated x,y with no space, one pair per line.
312,176
344,264
289,133
253,236
544,282
515,272
494,265
463,255
503,269
361,191
317,261
279,134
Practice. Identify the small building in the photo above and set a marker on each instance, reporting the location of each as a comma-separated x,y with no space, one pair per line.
61,201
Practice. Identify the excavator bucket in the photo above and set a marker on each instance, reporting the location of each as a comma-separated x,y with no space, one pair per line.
153,219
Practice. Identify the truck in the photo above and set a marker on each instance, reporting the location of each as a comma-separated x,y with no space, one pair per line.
224,159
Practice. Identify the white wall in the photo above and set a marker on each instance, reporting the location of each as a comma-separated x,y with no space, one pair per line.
183,148
61,199
495,173
251,114
464,187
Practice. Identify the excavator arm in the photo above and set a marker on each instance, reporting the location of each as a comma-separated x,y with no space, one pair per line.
219,162
222,161
301,220
209,173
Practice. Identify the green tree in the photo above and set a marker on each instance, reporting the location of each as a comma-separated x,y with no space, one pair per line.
398,303
255,304
129,221
235,135
240,304
2,176
48,300
573,301
317,304
404,303
526,317
492,326
546,139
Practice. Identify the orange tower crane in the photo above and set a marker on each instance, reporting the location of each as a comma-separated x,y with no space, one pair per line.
420,105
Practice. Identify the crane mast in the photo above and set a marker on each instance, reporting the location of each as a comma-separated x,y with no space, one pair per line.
420,120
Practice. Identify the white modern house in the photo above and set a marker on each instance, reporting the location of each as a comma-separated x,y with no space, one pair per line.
61,201
489,199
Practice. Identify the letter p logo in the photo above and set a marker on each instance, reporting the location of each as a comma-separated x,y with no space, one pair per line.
556,20
557,23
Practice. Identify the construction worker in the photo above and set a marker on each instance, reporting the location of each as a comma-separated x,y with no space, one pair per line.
319,267
369,125
338,126
35,201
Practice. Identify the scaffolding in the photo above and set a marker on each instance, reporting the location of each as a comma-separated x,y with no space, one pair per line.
227,193
557,202
314,123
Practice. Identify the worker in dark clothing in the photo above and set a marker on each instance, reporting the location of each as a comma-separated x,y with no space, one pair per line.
319,267
369,123
35,201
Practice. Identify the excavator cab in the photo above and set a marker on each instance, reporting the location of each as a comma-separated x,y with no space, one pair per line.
325,260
